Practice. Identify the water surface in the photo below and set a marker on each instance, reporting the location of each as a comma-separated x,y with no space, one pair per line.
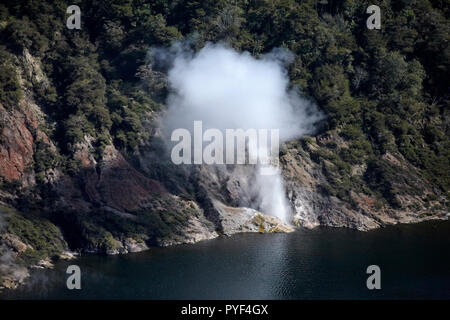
324,263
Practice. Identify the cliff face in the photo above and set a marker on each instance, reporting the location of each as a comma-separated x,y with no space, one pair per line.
16,151
308,182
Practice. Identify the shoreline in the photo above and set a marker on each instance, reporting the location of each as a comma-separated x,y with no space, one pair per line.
74,256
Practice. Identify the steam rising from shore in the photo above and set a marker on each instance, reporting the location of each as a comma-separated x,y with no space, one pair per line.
226,89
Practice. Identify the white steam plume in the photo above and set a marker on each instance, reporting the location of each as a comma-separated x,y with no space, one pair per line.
226,89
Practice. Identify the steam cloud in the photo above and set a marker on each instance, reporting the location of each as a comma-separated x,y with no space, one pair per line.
226,89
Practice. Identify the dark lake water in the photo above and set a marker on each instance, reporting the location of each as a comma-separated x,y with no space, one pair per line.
324,263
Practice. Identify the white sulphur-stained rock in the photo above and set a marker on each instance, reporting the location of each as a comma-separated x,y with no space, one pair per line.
241,219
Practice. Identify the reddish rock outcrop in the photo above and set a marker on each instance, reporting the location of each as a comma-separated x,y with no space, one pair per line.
113,184
16,144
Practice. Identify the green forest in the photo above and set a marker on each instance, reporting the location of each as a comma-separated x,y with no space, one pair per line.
383,91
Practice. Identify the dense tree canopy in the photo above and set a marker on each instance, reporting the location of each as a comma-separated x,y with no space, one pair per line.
382,90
